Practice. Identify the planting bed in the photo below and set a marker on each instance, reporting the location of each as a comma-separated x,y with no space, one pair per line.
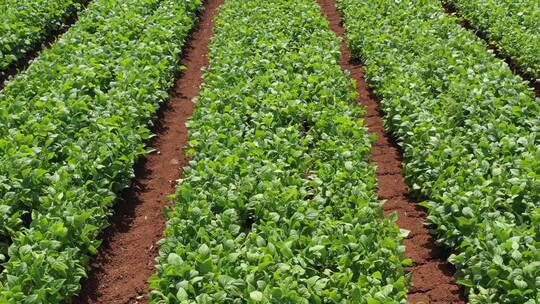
278,203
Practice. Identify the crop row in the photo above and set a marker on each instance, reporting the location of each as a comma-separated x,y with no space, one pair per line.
469,131
26,24
47,109
72,126
513,26
278,204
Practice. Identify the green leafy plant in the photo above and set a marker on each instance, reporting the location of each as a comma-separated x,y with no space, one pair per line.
279,203
73,125
469,132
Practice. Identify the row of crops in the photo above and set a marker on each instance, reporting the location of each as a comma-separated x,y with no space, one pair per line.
26,24
71,128
278,204
513,26
279,201
469,131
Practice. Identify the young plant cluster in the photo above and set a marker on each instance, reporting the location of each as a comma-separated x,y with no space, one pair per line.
469,130
513,26
279,203
26,24
71,128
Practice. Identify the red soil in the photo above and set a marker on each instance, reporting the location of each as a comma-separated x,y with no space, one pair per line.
432,276
126,259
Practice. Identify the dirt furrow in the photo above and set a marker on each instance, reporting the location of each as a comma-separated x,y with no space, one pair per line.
432,276
126,258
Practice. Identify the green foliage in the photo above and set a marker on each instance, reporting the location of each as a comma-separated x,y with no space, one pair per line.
72,126
25,24
47,110
513,26
278,204
469,131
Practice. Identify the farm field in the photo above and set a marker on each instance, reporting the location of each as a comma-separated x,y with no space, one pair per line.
73,125
512,26
25,25
287,151
289,211
469,132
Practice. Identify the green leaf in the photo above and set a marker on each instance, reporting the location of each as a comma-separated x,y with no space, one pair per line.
256,296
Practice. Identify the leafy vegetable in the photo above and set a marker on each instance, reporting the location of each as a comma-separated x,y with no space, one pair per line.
278,204
71,128
469,131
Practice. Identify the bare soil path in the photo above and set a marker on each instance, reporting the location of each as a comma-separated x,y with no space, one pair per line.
125,261
432,276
